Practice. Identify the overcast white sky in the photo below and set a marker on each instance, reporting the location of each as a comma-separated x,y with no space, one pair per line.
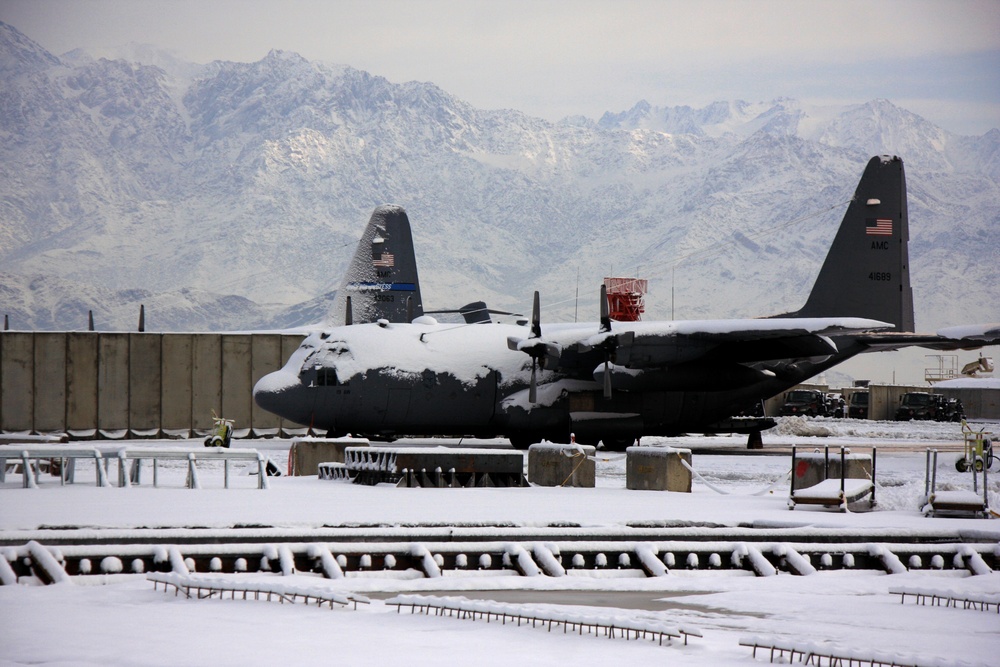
553,58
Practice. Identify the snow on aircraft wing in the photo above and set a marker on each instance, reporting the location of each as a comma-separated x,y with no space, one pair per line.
652,344
980,332
963,337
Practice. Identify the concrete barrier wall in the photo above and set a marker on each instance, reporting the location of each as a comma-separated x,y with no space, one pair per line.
145,383
50,382
237,389
112,383
265,356
206,380
81,383
135,384
883,399
17,381
176,399
978,403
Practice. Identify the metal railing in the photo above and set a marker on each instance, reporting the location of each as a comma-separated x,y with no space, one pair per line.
63,459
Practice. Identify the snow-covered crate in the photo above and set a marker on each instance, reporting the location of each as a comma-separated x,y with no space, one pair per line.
658,469
551,464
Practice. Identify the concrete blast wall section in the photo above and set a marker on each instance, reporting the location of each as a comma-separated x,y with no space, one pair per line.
136,384
978,403
883,399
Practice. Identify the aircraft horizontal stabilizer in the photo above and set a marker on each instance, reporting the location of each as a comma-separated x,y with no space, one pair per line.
964,337
980,332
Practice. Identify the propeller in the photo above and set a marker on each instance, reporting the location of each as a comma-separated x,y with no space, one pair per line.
609,344
535,347
536,333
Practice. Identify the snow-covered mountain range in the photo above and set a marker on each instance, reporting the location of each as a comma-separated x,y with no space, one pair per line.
231,195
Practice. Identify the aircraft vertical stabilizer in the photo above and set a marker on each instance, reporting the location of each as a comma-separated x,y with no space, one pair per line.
867,273
381,279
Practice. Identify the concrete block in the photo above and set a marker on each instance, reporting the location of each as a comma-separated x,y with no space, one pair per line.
657,469
552,464
306,454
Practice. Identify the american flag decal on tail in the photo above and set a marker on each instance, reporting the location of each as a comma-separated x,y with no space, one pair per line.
878,227
386,259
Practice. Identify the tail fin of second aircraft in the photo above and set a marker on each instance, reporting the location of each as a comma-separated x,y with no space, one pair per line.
381,279
866,272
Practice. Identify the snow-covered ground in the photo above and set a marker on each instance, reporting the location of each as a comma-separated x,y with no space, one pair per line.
120,619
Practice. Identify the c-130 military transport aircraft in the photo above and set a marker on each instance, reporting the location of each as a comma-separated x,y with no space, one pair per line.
609,382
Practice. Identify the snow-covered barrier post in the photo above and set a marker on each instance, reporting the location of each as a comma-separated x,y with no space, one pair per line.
658,469
45,566
551,464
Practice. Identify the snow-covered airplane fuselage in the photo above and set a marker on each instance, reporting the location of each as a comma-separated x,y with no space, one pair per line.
444,379
609,381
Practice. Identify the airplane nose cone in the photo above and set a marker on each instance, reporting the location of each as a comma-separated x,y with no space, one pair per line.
275,392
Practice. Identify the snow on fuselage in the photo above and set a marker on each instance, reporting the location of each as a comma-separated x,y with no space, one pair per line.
392,378
454,379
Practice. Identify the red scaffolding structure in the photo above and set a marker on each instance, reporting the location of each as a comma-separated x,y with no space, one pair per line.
625,298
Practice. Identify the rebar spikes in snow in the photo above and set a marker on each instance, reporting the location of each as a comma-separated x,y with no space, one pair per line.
202,589
611,627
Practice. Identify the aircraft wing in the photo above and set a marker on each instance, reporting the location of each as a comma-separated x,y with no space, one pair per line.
656,344
965,337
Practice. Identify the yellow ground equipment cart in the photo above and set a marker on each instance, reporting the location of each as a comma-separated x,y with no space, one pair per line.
978,450
221,434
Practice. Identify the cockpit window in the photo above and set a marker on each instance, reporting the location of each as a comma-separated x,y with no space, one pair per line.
326,377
